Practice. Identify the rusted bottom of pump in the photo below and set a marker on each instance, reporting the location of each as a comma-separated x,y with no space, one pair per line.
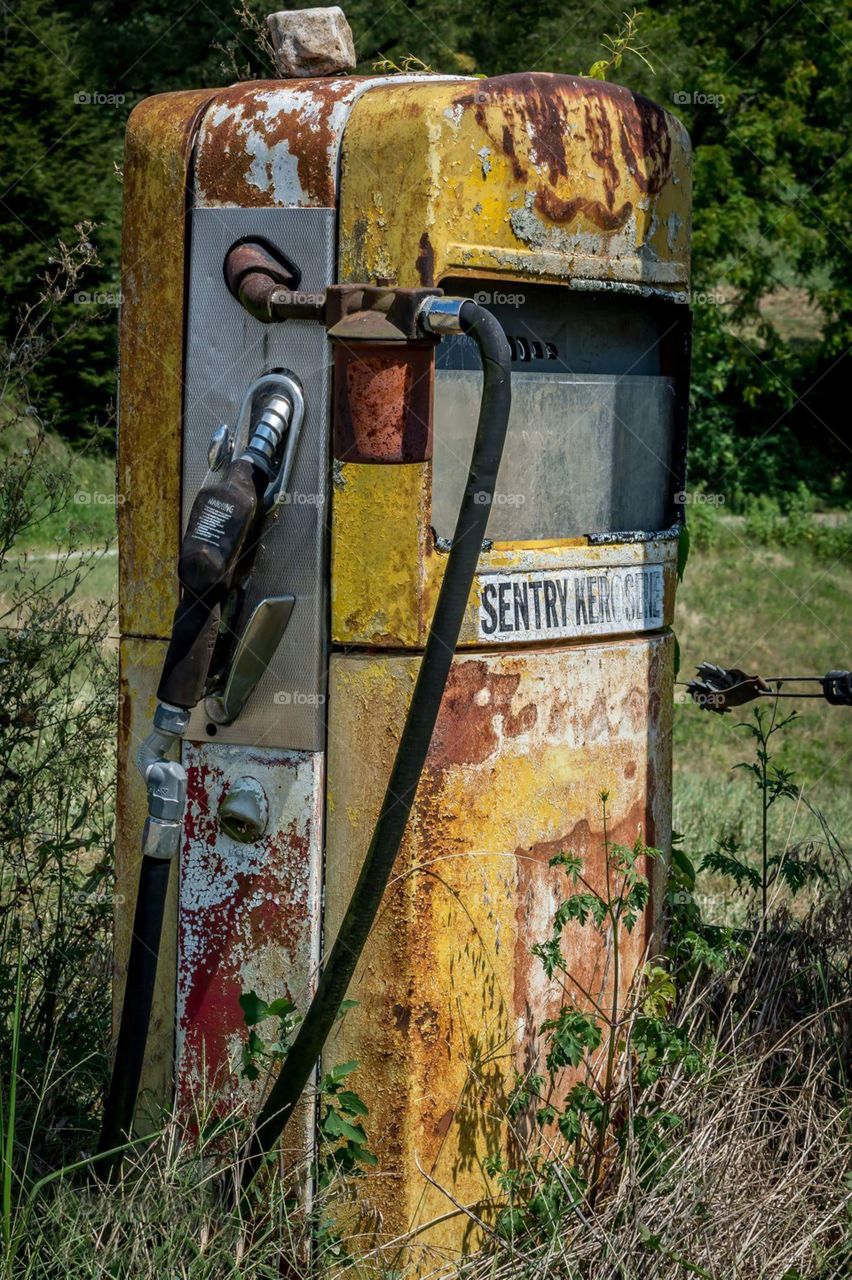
451,999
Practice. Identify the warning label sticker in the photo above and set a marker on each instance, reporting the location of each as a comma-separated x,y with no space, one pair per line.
213,521
561,603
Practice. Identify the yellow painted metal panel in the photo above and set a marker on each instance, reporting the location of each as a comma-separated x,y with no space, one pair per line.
529,177
534,176
139,673
380,539
159,139
386,572
450,998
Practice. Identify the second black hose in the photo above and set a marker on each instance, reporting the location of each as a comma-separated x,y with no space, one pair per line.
416,736
136,1013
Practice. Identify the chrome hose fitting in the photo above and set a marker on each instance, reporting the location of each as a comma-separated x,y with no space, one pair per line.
165,782
268,432
441,315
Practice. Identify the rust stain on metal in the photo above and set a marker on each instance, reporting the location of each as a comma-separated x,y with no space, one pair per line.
450,998
467,732
531,176
426,260
540,890
599,137
265,145
383,396
559,210
541,106
160,135
377,390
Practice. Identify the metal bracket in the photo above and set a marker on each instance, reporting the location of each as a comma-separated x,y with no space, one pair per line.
165,783
255,648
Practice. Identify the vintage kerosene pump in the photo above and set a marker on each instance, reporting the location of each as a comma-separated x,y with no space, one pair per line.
387,684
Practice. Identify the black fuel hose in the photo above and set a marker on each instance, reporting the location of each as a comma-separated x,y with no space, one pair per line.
302,1058
138,999
221,523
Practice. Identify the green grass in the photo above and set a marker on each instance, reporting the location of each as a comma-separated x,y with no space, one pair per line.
763,606
770,610
97,572
84,518
88,518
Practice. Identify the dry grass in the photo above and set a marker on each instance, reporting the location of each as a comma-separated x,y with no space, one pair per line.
755,1188
752,1184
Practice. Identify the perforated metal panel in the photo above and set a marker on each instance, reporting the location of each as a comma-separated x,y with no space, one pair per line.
227,350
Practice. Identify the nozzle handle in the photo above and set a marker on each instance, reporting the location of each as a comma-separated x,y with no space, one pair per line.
216,540
190,652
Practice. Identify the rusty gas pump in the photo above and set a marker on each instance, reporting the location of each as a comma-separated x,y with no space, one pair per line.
328,241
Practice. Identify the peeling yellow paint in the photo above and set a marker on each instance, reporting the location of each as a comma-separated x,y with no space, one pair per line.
558,178
159,141
450,998
386,572
379,540
521,178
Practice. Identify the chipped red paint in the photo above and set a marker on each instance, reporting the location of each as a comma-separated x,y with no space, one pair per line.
269,144
249,913
467,732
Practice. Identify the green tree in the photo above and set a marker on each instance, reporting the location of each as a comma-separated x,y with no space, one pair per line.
57,161
764,90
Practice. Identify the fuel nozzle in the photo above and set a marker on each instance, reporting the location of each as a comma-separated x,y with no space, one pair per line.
268,431
216,556
221,535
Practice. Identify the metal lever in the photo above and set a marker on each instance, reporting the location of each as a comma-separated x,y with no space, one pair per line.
254,650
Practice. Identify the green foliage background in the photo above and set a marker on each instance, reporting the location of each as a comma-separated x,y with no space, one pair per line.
764,89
